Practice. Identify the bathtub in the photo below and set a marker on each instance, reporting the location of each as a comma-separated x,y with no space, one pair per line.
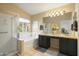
30,39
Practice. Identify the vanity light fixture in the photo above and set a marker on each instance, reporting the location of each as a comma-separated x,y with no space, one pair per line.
53,13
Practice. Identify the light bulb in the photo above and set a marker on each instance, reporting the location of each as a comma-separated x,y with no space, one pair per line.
61,12
50,15
58,13
54,15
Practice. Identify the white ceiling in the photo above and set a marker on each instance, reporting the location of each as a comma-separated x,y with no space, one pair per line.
35,8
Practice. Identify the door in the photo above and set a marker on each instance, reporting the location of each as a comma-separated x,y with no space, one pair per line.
44,42
7,43
68,46
72,47
63,45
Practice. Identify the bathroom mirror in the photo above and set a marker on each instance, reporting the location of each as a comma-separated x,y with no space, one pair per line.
63,21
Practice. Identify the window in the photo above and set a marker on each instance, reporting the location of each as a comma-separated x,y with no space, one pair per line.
24,25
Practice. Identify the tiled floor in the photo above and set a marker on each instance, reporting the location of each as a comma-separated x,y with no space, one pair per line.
40,52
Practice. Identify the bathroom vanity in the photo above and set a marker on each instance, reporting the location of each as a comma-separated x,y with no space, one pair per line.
67,43
62,28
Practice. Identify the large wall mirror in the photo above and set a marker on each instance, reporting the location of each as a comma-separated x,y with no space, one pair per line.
58,23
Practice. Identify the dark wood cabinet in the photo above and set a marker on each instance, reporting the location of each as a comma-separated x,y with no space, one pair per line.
68,46
72,47
63,46
44,41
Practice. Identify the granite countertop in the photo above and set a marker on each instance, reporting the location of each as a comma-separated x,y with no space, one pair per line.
72,36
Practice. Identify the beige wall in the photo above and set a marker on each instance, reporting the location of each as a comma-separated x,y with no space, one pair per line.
15,9
68,8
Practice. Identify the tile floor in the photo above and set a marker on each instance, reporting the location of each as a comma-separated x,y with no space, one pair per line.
41,52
